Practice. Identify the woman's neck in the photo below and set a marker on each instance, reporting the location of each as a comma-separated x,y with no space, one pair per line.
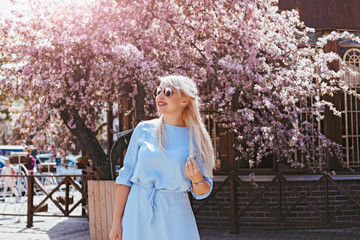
176,121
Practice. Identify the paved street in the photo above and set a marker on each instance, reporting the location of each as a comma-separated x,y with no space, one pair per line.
61,228
44,228
78,229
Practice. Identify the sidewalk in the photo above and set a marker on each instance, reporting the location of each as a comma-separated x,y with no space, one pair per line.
57,228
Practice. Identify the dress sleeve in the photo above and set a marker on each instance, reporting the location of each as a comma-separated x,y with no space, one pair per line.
126,172
201,163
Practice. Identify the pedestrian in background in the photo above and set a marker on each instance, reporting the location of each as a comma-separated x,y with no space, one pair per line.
9,182
167,157
30,160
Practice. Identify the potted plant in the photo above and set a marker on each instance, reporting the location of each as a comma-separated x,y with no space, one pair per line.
83,160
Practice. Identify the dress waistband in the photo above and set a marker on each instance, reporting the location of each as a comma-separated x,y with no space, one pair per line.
158,189
151,199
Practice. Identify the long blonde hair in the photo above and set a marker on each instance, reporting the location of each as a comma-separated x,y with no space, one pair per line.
186,88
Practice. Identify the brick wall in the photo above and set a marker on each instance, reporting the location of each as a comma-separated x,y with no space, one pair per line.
281,206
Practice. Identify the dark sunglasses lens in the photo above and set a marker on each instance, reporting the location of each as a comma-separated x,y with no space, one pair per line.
167,92
157,91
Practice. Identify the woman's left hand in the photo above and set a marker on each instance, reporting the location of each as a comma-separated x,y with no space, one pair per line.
192,170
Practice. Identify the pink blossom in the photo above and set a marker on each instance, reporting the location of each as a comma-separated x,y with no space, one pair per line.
82,55
27,70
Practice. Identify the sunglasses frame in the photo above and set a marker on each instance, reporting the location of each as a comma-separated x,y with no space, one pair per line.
159,90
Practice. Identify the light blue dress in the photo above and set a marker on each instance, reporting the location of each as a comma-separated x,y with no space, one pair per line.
158,206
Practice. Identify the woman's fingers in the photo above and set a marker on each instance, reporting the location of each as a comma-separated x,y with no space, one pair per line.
192,170
194,167
190,167
187,170
116,237
115,234
194,164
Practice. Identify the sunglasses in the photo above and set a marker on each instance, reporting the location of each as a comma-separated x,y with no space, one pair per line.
168,91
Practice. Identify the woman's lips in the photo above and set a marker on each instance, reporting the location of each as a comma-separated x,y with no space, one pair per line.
161,103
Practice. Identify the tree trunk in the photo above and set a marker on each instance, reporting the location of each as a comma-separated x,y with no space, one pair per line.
88,141
91,145
140,104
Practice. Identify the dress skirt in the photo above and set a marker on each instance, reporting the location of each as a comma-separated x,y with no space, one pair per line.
158,214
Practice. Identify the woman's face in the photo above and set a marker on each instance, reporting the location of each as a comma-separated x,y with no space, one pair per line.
168,104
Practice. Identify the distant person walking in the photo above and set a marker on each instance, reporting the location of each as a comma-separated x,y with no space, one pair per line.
9,182
30,160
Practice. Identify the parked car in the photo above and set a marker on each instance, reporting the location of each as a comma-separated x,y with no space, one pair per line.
66,168
2,161
69,167
7,149
46,158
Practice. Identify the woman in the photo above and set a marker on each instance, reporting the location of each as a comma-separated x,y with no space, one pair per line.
161,165
9,182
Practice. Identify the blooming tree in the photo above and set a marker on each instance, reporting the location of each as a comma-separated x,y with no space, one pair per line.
71,59
249,53
69,62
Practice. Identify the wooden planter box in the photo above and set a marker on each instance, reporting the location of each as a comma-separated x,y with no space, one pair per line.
47,167
18,158
80,165
43,208
62,199
101,201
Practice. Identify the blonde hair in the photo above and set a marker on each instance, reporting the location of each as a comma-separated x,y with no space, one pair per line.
187,89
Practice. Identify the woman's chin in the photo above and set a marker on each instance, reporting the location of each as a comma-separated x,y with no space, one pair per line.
161,109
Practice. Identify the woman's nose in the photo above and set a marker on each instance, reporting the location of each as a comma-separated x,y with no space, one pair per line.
161,93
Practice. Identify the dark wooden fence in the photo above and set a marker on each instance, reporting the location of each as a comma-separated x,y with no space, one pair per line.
319,201
64,202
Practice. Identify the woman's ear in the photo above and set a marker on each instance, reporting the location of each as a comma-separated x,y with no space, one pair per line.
184,103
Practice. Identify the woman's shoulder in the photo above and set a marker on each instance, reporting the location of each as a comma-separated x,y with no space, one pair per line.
147,124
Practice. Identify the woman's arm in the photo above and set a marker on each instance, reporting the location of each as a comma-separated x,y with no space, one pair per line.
192,171
122,192
124,183
200,189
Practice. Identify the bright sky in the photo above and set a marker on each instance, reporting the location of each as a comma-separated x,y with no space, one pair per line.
5,7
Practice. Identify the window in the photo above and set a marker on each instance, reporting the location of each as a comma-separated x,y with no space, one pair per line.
350,110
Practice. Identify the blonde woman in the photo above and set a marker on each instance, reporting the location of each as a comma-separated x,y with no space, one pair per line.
166,158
